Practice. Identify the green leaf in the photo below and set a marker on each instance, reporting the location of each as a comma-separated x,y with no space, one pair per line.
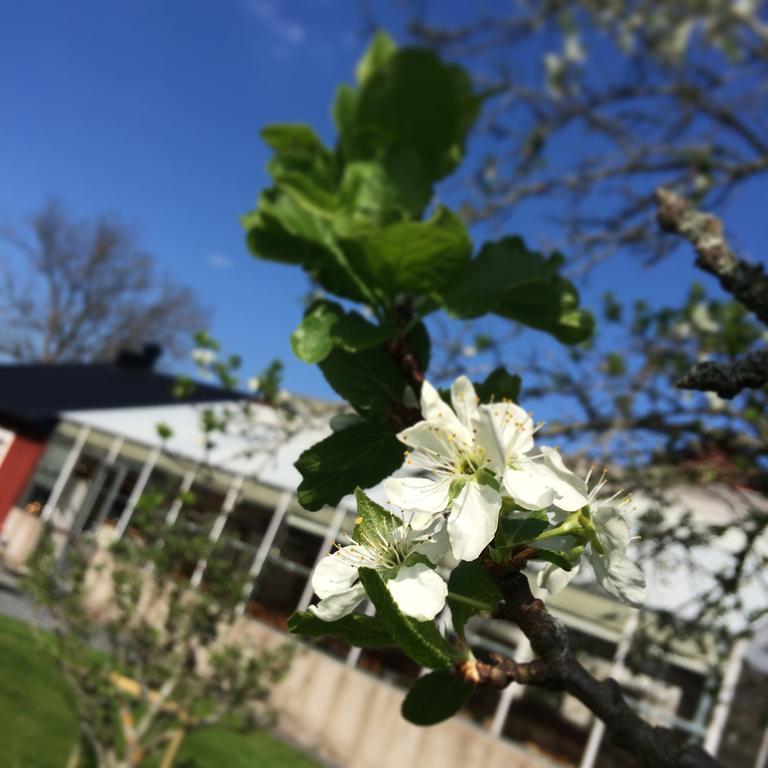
521,285
368,380
356,629
499,385
373,522
435,697
294,140
312,340
414,99
427,649
552,306
421,344
470,580
362,454
281,230
500,266
519,530
560,559
326,325
381,49
411,256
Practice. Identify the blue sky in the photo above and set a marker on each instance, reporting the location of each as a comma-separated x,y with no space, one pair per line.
152,110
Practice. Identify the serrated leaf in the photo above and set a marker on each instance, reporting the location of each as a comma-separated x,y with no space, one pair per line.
414,99
500,384
373,522
515,283
326,325
361,454
369,380
557,558
312,340
470,580
428,650
499,267
356,629
552,306
410,256
380,50
514,531
281,230
435,697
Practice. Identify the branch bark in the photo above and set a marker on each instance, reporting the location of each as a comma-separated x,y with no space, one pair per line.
557,668
747,283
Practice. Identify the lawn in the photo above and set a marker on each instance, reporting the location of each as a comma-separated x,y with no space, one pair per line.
37,725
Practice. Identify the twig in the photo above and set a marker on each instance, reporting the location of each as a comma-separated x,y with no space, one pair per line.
558,669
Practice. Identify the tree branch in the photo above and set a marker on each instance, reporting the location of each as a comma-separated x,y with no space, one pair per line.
747,283
728,379
557,668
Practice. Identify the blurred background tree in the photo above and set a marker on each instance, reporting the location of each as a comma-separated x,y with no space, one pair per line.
148,660
88,290
598,103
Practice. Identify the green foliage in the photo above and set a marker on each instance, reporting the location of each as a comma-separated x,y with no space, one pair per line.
518,284
361,454
373,521
355,629
435,697
499,385
519,530
39,724
421,641
326,325
369,380
472,581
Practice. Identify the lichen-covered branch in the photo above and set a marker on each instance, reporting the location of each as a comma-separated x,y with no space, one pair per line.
728,379
557,668
747,283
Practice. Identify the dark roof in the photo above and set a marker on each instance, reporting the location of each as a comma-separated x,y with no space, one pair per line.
34,395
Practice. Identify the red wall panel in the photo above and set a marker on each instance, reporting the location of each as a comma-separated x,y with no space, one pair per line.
17,467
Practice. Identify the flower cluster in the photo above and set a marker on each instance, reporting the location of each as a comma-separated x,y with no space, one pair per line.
465,465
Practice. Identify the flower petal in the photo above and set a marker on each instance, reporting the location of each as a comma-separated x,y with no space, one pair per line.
506,429
473,520
341,604
620,577
418,494
418,591
611,528
464,401
570,490
431,541
529,484
337,572
552,578
437,412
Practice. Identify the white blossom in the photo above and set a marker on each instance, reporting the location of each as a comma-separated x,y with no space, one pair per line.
468,453
608,535
398,553
203,356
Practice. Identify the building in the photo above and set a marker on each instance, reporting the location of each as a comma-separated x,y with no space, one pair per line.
87,447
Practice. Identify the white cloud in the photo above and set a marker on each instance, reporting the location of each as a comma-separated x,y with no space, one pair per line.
283,29
219,261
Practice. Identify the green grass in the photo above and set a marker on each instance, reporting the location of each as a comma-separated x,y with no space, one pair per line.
38,727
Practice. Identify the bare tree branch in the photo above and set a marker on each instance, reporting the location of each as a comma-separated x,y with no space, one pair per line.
558,669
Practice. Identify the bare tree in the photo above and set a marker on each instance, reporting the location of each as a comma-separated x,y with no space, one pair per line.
599,103
88,291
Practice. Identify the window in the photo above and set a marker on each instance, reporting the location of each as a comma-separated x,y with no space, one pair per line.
285,573
41,485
